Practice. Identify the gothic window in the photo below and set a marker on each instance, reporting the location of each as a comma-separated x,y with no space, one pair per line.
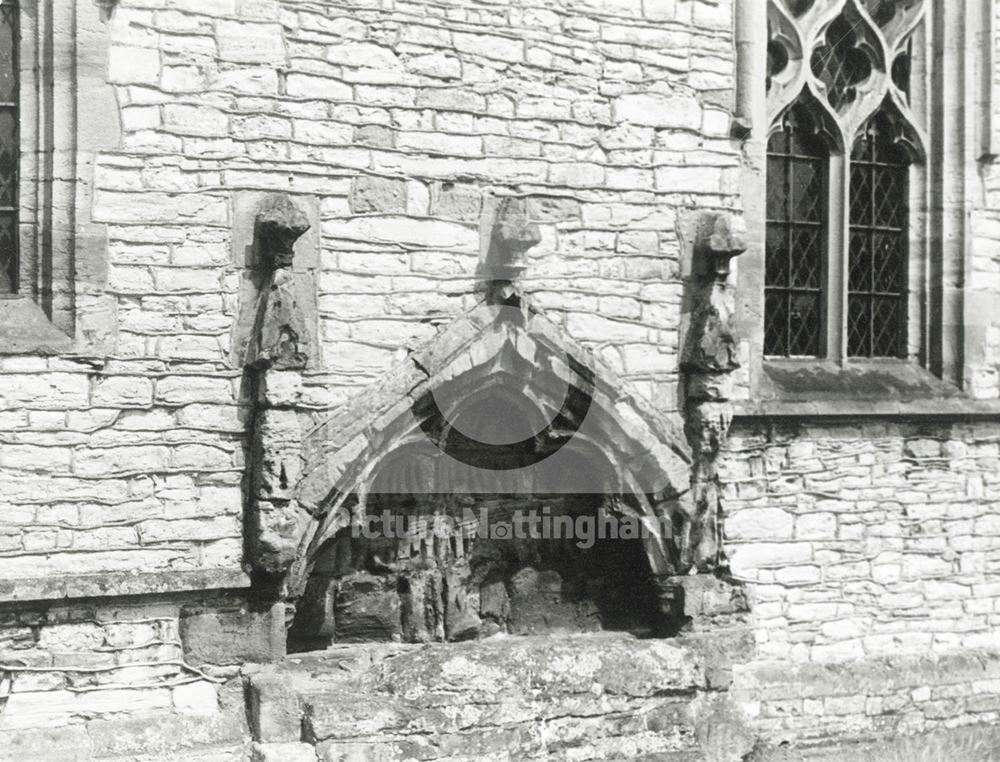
8,147
879,219
843,146
796,247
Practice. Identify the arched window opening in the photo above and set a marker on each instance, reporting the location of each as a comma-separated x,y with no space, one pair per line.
879,234
797,162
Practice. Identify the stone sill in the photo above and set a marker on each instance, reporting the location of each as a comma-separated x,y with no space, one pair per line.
858,408
25,329
872,388
114,584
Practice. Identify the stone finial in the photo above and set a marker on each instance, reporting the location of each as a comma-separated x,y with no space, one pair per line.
280,223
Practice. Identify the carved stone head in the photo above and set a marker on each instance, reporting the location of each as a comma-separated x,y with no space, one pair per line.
280,223
512,235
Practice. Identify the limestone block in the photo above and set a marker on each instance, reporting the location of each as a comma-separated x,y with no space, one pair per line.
124,206
367,608
308,85
196,120
760,524
277,454
49,390
315,617
706,595
752,556
723,732
276,528
233,636
242,42
109,460
275,709
198,697
461,606
438,64
489,46
537,605
284,752
428,233
182,390
132,65
378,195
656,110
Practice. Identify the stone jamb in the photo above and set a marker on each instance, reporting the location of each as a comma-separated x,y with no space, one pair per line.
68,114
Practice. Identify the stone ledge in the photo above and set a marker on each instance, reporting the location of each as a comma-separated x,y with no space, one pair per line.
25,329
119,584
945,409
886,388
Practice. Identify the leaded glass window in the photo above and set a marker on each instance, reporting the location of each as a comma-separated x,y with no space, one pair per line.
843,145
8,147
876,283
796,244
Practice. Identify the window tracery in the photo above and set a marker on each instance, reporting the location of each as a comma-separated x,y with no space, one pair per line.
843,67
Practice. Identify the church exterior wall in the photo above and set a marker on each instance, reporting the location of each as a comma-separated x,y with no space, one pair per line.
395,125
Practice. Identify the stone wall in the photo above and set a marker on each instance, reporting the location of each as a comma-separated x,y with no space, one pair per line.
870,555
396,124
114,680
866,540
402,122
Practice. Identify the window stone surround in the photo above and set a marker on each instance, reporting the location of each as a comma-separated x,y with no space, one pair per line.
953,316
68,114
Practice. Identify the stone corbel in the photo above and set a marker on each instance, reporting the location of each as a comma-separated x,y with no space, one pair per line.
710,357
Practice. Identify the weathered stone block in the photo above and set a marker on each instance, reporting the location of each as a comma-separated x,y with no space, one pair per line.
658,110
274,708
284,752
242,42
367,609
378,195
198,697
458,201
461,621
538,605
131,65
233,636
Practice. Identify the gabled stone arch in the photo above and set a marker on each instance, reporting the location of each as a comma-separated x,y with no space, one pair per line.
564,385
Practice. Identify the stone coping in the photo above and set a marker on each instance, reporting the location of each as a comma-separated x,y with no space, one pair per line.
103,585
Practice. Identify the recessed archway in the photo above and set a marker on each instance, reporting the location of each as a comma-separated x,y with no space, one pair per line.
512,419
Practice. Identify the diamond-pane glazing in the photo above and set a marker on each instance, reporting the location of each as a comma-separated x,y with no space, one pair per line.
841,64
885,11
876,320
8,158
796,238
9,150
8,52
859,263
8,252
